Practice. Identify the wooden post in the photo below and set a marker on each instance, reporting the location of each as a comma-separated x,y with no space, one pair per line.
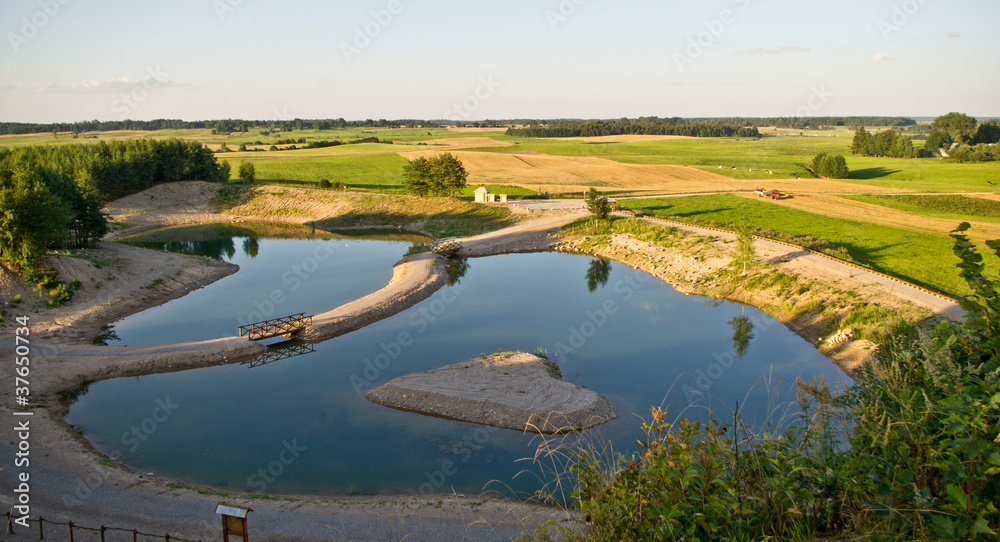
103,528
135,535
41,530
70,531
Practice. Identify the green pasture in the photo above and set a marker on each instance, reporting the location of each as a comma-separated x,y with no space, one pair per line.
368,171
922,258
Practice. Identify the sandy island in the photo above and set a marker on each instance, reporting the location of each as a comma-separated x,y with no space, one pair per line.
510,390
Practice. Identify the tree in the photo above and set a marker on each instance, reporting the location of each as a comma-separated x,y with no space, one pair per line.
937,140
439,176
247,171
959,126
988,132
597,203
224,171
835,167
325,184
861,141
31,218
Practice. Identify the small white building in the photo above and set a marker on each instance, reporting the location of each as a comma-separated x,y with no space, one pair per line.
482,194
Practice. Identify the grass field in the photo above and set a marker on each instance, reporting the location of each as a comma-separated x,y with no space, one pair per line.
921,258
372,171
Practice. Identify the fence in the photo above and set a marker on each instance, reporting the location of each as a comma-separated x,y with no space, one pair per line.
41,521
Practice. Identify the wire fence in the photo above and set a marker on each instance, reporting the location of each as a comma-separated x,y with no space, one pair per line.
79,533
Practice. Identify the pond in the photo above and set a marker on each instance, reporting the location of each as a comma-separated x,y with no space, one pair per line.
301,425
283,270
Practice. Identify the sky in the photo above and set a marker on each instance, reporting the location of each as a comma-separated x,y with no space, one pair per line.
69,60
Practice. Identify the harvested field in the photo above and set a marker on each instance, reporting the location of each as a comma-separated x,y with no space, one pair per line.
567,174
877,214
626,138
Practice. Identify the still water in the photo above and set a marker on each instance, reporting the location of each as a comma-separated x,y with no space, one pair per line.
283,270
302,425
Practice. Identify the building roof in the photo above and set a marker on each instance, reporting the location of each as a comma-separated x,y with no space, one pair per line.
482,190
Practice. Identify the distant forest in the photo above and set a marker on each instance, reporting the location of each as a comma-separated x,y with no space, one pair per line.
244,125
644,126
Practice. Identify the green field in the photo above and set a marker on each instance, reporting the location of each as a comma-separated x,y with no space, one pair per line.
921,258
369,171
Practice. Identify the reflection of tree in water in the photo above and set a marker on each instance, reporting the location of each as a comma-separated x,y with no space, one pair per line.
456,267
598,274
107,336
742,334
213,248
251,246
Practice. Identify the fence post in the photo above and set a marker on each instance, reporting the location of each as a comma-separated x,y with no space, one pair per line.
135,535
70,531
103,528
167,537
41,529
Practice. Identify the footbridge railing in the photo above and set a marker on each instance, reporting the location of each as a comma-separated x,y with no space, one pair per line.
284,326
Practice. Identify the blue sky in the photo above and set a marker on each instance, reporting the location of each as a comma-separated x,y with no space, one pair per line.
66,60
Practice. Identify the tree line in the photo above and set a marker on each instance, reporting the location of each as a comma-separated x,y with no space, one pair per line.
644,126
884,143
51,197
219,125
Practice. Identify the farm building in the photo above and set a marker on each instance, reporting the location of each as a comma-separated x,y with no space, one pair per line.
483,195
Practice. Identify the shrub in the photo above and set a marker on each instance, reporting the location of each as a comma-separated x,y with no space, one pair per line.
247,171
324,184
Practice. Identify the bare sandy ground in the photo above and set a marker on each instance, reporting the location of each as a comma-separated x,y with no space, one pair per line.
512,390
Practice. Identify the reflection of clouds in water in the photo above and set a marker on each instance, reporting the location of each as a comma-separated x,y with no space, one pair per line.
649,306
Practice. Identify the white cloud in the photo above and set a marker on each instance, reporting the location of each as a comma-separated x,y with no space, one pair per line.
8,88
98,86
884,58
774,50
952,34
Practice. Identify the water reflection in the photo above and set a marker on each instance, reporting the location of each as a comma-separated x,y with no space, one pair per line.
742,334
281,351
598,273
456,267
